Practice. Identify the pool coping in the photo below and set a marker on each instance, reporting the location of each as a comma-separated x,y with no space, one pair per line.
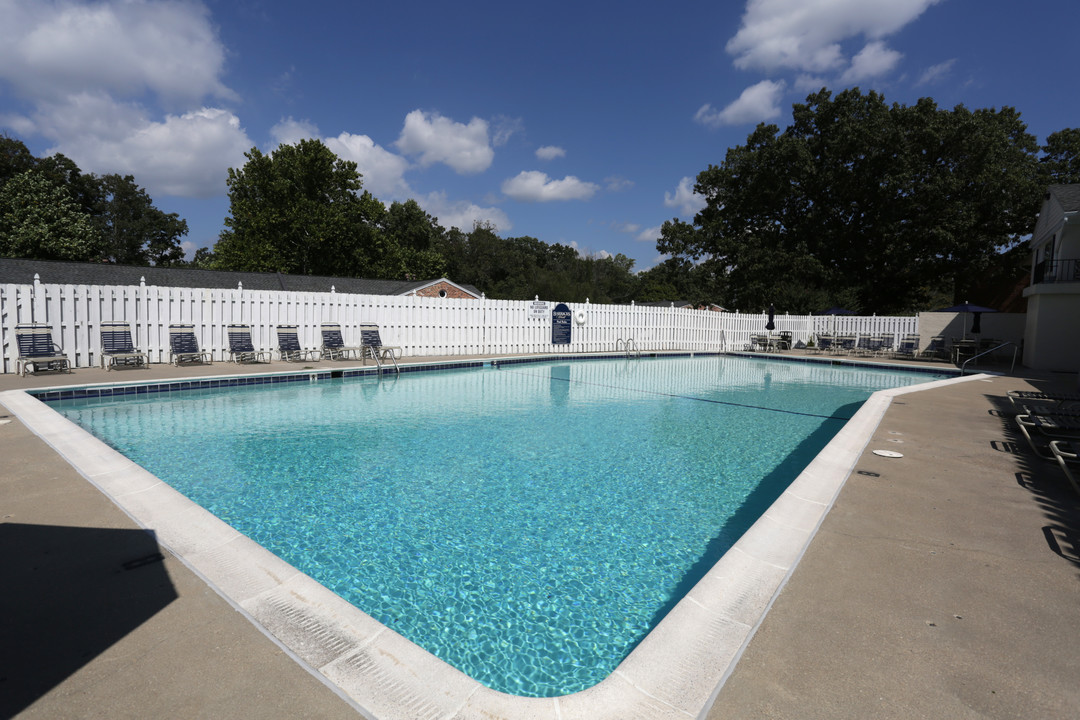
677,670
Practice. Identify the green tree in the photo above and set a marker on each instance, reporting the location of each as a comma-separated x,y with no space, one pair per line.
410,244
1061,157
15,158
295,211
134,231
38,219
879,208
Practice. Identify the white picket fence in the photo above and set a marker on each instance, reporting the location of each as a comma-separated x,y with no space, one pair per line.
420,326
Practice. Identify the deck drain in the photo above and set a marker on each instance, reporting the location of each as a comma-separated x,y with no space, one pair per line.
888,453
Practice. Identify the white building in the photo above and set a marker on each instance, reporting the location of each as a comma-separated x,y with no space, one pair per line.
1052,333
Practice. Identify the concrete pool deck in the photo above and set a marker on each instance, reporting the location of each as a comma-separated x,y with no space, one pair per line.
943,583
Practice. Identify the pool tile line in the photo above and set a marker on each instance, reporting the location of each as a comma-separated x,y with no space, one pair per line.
676,671
99,390
848,362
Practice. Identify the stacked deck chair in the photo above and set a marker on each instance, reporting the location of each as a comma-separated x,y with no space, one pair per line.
373,347
1067,454
333,344
240,347
36,347
288,339
184,346
1062,431
1058,401
117,347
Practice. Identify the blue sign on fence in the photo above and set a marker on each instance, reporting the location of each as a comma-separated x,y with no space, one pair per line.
561,322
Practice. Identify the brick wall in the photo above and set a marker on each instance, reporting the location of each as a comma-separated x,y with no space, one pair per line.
450,291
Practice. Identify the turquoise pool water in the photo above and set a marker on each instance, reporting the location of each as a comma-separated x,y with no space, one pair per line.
528,525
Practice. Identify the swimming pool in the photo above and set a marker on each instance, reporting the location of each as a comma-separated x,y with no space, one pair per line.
533,551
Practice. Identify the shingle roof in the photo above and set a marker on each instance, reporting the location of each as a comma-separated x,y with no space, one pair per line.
21,271
1067,195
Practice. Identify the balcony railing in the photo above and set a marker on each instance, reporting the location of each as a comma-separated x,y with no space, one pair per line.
1057,271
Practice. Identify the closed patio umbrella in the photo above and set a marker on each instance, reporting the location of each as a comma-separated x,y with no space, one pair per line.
771,325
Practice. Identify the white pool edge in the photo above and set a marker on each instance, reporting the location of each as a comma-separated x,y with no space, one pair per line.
677,671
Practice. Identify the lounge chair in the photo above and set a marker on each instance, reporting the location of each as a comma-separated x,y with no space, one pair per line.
288,339
373,347
844,345
36,347
1050,427
117,347
333,344
867,345
1060,400
184,346
241,348
1067,453
908,347
936,349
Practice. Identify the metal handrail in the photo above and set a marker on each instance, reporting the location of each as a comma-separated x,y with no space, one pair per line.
627,344
1016,348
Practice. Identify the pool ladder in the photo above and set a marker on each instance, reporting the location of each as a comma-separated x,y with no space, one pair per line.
630,346
375,356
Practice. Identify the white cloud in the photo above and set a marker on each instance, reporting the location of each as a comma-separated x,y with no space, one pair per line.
874,60
805,83
756,103
550,152
937,72
435,138
505,127
119,86
51,49
289,131
806,35
649,234
587,253
383,171
684,198
463,214
187,155
535,186
616,183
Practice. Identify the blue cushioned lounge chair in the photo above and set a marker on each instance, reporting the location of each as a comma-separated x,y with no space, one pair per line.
288,338
908,347
184,346
333,344
241,348
36,347
373,347
117,347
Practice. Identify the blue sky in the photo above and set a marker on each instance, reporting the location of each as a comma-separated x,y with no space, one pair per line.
581,123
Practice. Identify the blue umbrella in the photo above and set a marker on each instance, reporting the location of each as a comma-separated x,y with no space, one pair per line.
966,307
